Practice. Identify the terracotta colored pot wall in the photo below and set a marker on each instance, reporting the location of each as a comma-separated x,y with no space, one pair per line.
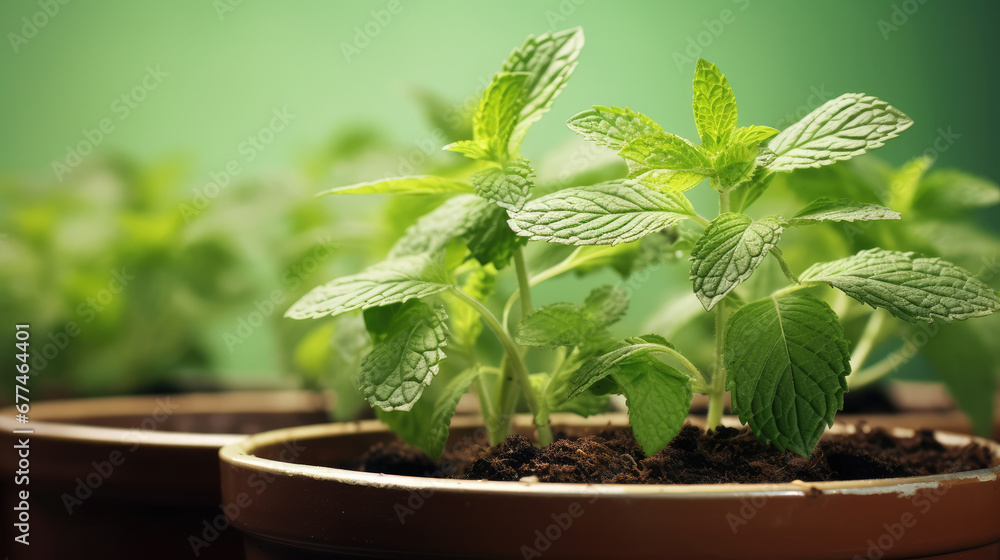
101,486
302,506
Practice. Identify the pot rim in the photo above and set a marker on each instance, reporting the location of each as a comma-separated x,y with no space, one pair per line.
61,419
239,455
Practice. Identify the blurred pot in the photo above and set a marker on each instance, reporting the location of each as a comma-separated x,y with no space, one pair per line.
911,405
307,509
135,477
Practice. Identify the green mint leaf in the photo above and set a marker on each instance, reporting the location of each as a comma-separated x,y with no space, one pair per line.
466,323
665,180
742,196
379,320
665,151
787,360
974,383
604,214
585,404
554,391
839,129
478,223
549,61
498,112
843,210
489,238
650,339
565,324
395,372
426,424
658,399
950,191
603,365
435,230
606,305
417,184
909,286
905,182
558,324
474,149
738,158
714,106
728,252
394,281
751,135
613,126
509,187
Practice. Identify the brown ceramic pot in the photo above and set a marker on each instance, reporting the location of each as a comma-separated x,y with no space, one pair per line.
292,506
134,477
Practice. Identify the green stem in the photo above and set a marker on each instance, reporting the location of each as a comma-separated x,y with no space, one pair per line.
566,265
785,269
866,342
506,404
507,389
718,387
715,406
841,303
794,287
700,220
514,362
523,285
878,370
485,403
695,372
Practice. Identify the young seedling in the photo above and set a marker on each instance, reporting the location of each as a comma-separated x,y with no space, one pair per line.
784,359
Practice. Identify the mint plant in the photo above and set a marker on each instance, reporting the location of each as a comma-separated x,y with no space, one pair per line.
937,204
784,359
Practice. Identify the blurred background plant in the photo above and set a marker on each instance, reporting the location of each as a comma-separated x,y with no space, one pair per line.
210,286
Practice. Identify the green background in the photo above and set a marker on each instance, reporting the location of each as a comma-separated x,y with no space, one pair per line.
229,69
337,66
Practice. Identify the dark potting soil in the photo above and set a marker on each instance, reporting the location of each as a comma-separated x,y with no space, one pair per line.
693,457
